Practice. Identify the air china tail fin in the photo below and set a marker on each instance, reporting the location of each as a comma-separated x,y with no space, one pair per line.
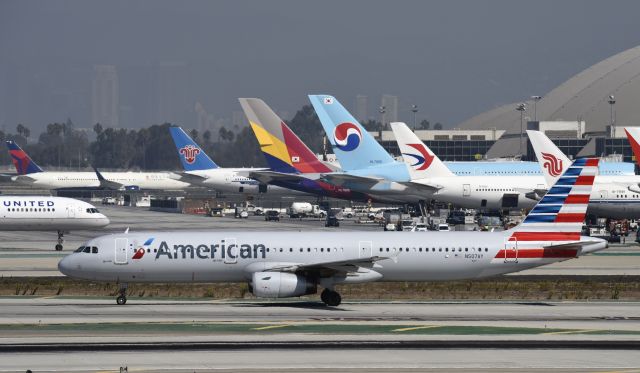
283,150
420,160
633,135
352,144
193,158
553,162
21,160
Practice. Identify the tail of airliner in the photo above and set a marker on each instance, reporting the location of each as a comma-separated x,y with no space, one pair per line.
552,229
421,161
283,150
553,162
193,158
21,160
633,135
352,144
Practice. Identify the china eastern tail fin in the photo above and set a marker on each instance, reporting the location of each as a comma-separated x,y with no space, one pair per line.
633,135
553,162
420,160
352,144
21,160
193,158
283,150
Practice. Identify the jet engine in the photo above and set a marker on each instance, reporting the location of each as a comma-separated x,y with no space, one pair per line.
280,285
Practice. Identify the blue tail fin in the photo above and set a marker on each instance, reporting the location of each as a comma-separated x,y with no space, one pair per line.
352,144
193,158
21,160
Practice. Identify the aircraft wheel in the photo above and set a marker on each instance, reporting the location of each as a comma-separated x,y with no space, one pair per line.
331,298
121,300
58,247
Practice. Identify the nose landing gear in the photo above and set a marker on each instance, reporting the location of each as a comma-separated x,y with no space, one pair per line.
60,241
331,297
122,297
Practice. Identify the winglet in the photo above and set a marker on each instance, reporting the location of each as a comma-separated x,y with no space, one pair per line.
553,162
21,160
193,158
420,160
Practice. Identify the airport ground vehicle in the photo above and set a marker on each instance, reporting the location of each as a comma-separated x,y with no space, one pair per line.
304,210
271,215
332,221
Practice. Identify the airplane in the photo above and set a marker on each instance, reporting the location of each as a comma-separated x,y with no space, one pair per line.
292,264
29,173
633,135
46,213
199,169
616,197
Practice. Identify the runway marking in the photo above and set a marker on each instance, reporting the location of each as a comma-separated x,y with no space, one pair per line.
271,327
573,331
416,328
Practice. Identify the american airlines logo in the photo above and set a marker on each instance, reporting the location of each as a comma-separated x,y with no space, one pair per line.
222,250
189,152
141,250
552,164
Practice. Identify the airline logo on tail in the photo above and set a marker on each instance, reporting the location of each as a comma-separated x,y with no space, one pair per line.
190,152
347,136
423,160
552,164
142,249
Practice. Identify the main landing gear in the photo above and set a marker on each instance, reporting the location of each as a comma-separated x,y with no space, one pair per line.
330,298
60,241
122,297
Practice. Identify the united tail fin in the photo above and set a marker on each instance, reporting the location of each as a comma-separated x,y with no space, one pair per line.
420,160
352,144
633,135
553,162
21,160
193,158
283,150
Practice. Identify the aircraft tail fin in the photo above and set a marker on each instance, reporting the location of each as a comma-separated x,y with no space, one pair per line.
352,144
193,158
420,160
553,162
633,135
21,160
283,150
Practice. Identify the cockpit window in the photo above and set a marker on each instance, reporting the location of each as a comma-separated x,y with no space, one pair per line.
87,249
79,250
92,210
94,250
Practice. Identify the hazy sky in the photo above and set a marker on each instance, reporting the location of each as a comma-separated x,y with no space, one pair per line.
454,59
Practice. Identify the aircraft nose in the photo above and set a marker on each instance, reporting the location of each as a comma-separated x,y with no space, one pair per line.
65,265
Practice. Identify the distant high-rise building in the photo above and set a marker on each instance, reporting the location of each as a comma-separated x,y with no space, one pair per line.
104,96
172,104
390,104
362,108
205,121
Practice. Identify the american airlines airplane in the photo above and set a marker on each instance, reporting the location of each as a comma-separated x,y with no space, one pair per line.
199,169
35,213
291,264
29,173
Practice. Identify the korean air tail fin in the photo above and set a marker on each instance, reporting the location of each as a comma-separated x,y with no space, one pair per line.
21,160
283,150
352,144
420,160
633,135
193,158
553,162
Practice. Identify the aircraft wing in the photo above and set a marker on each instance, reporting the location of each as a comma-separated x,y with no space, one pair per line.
267,177
348,267
191,178
342,179
377,184
534,194
106,184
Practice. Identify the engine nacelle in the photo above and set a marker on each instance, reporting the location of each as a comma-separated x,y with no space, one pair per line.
280,285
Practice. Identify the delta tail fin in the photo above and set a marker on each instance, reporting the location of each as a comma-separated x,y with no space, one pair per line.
283,150
353,145
21,160
420,160
553,162
193,158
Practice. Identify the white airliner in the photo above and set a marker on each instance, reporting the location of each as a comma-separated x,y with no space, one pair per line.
36,213
615,196
290,264
29,173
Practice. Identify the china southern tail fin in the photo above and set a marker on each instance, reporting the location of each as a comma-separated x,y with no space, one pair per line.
21,160
352,144
193,158
553,162
421,161
633,135
283,150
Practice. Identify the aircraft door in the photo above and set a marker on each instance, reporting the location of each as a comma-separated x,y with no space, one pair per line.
511,251
231,251
71,212
366,249
466,190
121,246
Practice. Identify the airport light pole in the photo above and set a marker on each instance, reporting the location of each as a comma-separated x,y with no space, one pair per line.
414,110
612,118
522,107
382,110
535,107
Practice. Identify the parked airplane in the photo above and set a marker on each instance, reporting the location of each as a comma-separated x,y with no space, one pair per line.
633,135
290,264
36,213
199,169
615,197
29,173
